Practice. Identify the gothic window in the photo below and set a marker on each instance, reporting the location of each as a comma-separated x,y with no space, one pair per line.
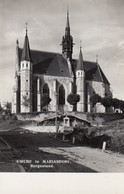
78,73
26,64
61,99
23,65
45,89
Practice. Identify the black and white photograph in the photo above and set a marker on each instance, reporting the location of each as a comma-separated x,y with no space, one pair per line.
62,87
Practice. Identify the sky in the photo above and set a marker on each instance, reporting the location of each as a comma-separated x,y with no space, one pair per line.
99,24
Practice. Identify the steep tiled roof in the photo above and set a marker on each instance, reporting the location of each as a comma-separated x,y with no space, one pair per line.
26,50
54,64
93,71
80,65
39,56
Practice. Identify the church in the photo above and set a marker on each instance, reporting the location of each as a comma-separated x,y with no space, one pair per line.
57,75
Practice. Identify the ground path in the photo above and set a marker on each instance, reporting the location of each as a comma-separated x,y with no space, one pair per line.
28,146
92,158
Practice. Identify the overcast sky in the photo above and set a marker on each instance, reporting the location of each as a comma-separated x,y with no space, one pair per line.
98,23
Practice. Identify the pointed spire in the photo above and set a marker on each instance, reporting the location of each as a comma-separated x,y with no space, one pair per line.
67,29
17,42
26,28
17,64
80,45
67,40
26,49
97,58
67,22
80,65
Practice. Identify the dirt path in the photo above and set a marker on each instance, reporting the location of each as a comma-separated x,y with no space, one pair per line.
92,158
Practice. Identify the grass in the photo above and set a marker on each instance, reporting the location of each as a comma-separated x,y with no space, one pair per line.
10,124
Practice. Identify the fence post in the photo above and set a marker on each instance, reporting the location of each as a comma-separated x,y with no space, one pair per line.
63,137
103,146
73,140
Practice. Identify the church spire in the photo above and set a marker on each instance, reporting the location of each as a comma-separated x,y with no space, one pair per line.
80,65
67,29
67,40
17,65
26,49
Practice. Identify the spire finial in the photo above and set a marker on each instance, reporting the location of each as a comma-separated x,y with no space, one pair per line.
67,23
80,44
17,42
26,27
67,10
97,58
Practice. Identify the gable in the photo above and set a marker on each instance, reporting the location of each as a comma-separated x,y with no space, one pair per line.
54,64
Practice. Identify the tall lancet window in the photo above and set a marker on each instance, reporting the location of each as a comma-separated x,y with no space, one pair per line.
61,99
46,89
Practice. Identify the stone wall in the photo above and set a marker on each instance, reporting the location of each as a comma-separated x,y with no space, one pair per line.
99,88
54,84
108,91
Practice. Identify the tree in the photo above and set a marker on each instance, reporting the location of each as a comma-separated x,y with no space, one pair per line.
122,105
73,99
1,108
45,100
106,101
115,103
94,98
8,107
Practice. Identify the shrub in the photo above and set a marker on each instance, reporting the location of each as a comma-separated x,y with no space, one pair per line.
117,143
45,100
94,98
73,99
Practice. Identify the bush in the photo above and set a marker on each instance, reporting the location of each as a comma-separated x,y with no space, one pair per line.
84,134
94,98
117,143
45,100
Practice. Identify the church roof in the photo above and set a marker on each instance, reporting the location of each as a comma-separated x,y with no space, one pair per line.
67,29
49,63
80,65
26,50
54,64
93,72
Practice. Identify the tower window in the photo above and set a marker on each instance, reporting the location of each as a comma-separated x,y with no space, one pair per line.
26,64
78,73
23,65
26,80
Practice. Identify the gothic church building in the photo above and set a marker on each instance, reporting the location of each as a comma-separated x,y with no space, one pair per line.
57,75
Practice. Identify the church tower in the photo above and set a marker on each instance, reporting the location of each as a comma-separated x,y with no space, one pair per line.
80,82
16,100
26,77
67,41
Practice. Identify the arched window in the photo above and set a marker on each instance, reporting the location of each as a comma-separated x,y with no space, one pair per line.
45,89
61,99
